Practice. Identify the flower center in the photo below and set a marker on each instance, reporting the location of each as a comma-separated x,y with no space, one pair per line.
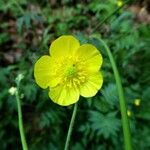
74,76
71,71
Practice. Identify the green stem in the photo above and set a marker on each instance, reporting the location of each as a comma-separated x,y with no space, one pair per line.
71,126
125,121
20,122
108,17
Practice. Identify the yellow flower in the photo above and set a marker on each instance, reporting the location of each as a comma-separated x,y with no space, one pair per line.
119,3
71,70
137,102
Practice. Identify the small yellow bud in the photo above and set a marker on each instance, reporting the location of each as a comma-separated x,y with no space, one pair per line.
119,3
137,102
129,113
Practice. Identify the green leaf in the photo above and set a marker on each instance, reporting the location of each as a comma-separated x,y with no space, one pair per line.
107,125
101,104
26,20
77,146
110,94
30,91
4,37
81,38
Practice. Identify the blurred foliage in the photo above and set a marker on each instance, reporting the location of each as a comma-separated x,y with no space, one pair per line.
27,28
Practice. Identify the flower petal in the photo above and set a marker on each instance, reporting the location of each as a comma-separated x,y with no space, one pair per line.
43,70
64,46
91,56
64,96
92,85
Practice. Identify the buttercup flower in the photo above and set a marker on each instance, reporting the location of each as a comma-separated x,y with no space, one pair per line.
71,70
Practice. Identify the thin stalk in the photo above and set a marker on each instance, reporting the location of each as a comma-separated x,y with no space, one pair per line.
108,17
71,126
123,107
20,122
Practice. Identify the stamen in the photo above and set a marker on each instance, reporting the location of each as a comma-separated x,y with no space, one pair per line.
73,73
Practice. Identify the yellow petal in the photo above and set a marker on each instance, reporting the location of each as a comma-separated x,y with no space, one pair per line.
43,70
64,96
92,85
64,46
91,56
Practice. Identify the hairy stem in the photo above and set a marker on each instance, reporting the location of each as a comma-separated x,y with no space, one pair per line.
71,126
20,122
